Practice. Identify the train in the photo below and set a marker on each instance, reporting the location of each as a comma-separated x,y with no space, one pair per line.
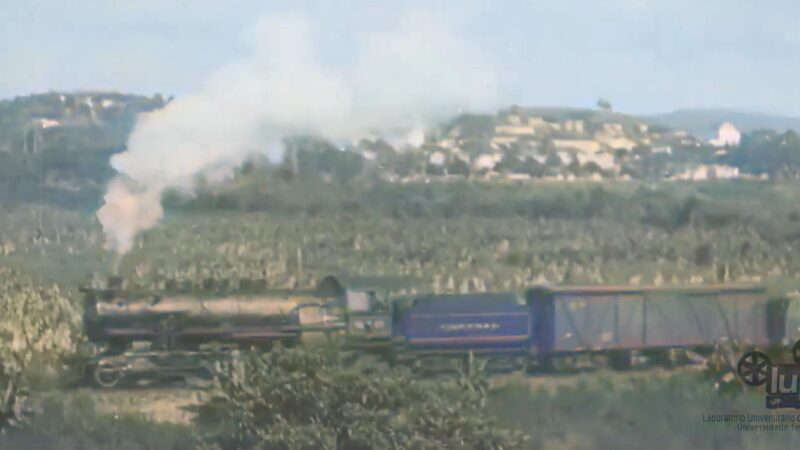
536,329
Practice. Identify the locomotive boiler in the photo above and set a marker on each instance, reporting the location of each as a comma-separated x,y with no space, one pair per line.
188,320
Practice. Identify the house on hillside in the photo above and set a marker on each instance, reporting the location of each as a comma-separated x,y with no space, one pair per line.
500,141
603,160
612,130
582,145
727,136
617,142
574,127
707,172
486,162
437,158
513,125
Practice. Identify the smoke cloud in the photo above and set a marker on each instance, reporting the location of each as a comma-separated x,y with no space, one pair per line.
396,83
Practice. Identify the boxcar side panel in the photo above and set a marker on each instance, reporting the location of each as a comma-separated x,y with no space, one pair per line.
597,322
747,317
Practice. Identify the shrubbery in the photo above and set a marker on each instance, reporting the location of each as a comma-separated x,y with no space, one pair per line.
306,399
39,327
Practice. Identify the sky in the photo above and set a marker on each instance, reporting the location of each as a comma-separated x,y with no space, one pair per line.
645,56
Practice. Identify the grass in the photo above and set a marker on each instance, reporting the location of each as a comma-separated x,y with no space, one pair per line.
74,423
633,411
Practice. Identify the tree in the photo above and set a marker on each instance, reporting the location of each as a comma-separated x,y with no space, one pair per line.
767,152
306,399
603,104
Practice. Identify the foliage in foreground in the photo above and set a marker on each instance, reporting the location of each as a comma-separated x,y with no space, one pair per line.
13,392
306,399
38,329
633,411
74,424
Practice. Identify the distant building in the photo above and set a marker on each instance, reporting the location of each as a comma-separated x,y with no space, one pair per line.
437,158
576,127
514,130
617,142
708,172
604,161
727,135
498,141
613,128
486,161
583,145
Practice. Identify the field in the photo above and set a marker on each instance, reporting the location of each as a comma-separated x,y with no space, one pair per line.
454,238
632,410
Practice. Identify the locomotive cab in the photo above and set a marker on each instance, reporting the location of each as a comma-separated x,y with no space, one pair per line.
368,305
368,316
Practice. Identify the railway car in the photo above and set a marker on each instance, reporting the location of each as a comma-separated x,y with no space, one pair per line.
551,323
619,320
497,326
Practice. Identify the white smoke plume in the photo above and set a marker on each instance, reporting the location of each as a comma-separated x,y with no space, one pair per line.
398,82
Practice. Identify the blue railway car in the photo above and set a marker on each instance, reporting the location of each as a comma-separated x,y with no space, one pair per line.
497,325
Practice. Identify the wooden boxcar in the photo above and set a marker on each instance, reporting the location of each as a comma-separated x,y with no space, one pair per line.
575,319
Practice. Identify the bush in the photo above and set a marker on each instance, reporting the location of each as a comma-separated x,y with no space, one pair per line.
39,326
306,399
13,393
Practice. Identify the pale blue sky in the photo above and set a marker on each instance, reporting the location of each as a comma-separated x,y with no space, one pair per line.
644,55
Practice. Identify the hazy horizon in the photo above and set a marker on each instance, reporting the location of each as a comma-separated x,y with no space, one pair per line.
645,56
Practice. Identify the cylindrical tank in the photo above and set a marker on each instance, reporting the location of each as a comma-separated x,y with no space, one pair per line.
117,317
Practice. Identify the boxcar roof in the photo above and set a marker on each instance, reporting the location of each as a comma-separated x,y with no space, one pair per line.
710,289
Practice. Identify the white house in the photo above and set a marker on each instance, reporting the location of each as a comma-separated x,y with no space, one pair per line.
727,135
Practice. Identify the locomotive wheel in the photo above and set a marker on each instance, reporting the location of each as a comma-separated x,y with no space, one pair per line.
107,374
753,368
796,352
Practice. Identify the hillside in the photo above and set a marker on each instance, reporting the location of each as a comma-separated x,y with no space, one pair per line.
704,122
55,147
61,142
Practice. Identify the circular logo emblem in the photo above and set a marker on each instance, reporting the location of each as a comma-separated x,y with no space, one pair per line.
753,368
796,352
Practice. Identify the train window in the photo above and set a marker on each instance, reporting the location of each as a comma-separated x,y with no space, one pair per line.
358,301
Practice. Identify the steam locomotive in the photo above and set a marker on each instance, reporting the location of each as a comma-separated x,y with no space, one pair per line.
534,329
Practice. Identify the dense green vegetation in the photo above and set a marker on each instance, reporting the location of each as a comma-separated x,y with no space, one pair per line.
309,399
55,147
768,152
326,211
497,237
